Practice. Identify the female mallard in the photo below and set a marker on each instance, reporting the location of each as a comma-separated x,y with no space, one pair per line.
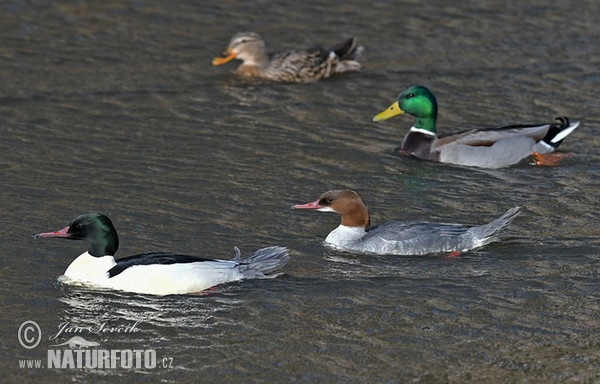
302,66
485,148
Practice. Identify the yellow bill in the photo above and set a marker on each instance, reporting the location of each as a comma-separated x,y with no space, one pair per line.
393,110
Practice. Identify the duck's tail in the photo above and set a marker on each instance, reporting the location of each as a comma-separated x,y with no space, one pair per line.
262,262
347,53
558,132
348,49
487,233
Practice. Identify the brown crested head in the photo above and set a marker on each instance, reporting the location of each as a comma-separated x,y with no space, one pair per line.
347,203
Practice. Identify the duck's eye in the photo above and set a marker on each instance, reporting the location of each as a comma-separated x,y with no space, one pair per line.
79,226
326,201
410,95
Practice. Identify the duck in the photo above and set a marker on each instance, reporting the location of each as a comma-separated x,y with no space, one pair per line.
403,238
292,66
154,273
483,148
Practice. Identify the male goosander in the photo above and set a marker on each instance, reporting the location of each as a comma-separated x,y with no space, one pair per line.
155,273
484,148
399,237
294,66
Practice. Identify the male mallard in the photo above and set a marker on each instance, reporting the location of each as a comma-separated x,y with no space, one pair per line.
486,148
303,66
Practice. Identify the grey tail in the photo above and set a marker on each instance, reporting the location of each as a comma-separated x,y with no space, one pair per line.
558,131
347,50
263,261
487,232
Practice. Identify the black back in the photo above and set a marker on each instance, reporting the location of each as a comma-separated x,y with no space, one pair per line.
152,258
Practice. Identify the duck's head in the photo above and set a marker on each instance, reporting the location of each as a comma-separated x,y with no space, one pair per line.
417,101
93,227
246,46
347,203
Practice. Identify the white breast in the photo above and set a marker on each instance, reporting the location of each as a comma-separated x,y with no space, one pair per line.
87,268
344,236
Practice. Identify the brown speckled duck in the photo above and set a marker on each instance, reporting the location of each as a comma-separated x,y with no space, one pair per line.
293,66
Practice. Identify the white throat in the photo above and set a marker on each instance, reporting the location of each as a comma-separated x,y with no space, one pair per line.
91,269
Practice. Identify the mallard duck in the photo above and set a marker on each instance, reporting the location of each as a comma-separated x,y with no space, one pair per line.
355,233
297,66
485,148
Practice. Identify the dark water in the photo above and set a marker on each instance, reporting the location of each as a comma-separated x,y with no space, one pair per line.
114,107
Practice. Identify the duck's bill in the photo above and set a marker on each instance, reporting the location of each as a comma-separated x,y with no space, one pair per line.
311,205
225,57
393,110
64,233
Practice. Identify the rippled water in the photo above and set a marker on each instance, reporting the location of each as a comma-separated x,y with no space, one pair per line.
114,107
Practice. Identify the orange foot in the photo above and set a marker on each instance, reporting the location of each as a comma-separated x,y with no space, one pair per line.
549,159
453,255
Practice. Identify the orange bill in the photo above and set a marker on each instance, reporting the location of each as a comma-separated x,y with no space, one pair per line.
224,58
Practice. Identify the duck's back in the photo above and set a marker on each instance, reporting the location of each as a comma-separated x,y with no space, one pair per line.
414,238
299,66
308,65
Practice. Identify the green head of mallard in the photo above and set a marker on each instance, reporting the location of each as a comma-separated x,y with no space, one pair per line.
417,101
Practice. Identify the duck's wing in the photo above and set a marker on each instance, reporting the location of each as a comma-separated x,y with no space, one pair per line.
299,66
552,133
413,237
502,147
163,258
403,230
488,136
315,63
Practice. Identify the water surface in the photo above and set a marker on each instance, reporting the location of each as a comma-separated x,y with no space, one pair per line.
114,107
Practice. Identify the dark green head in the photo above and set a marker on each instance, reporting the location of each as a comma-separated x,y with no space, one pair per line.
93,227
417,101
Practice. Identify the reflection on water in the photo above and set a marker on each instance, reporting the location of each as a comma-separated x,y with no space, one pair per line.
87,307
114,107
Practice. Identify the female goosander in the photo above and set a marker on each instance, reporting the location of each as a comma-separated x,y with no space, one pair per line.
294,66
399,237
154,273
485,148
